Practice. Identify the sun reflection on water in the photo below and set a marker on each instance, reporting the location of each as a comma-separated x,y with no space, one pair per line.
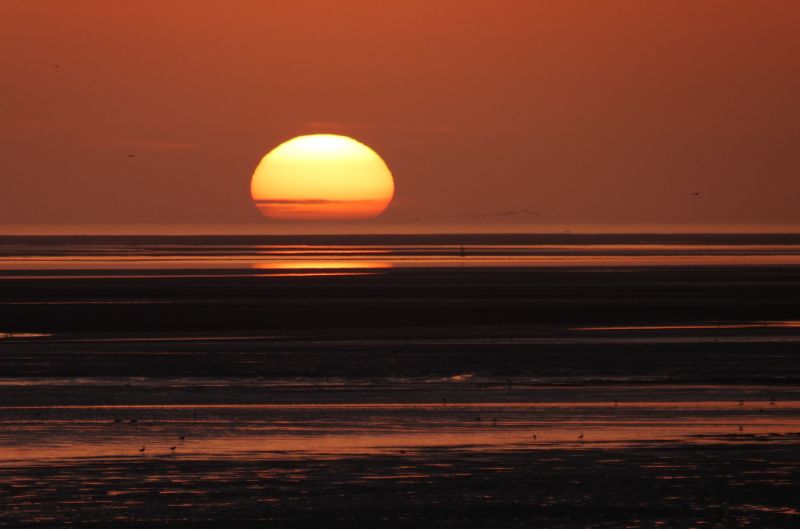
321,264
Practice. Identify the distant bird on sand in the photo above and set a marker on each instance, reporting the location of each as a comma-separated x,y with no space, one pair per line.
534,436
182,437
740,428
173,448
580,436
133,421
142,449
741,403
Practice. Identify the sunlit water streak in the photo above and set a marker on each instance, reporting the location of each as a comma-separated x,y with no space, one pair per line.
336,257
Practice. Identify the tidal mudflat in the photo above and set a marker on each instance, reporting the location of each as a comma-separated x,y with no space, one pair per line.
458,394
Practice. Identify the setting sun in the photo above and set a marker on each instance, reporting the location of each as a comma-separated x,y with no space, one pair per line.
322,176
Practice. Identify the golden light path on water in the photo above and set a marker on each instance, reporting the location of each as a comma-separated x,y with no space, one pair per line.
532,261
323,264
397,257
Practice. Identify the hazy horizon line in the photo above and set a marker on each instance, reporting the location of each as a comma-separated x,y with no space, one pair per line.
285,228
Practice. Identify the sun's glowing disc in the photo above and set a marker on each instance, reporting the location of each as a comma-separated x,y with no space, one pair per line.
322,176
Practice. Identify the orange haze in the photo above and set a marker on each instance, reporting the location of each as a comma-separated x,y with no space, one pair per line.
491,115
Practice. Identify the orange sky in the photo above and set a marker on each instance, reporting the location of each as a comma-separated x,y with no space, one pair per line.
490,114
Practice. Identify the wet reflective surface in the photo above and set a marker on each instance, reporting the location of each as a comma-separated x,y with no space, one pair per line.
359,427
187,255
242,385
513,447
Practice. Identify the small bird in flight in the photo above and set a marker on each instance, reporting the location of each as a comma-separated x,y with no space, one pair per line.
696,193
131,156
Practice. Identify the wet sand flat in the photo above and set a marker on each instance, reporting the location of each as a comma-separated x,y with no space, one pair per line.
460,394
577,437
743,484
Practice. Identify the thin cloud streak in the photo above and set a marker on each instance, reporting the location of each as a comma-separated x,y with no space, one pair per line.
313,201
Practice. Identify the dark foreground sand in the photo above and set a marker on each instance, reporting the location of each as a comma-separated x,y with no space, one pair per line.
744,484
